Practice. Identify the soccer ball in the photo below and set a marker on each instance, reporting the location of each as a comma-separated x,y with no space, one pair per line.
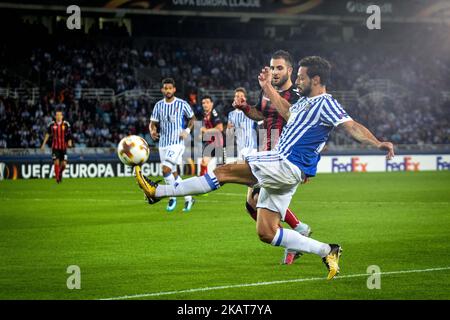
133,150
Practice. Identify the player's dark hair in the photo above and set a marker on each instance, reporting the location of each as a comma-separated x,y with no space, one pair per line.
168,81
317,66
241,89
282,54
207,97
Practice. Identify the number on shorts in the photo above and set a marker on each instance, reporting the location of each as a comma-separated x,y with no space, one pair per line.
170,153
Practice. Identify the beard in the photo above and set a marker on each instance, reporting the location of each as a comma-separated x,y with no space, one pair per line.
281,81
168,95
305,92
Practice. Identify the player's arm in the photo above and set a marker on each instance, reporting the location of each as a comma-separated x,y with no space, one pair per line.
191,123
230,126
70,139
364,136
69,136
154,120
217,128
47,136
250,111
189,128
282,105
153,130
253,113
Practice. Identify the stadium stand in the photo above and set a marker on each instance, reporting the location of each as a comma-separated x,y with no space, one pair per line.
107,86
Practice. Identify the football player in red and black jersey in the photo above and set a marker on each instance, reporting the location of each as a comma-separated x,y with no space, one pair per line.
281,65
59,131
213,127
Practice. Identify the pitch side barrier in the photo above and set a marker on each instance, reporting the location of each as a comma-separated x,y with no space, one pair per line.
379,163
39,166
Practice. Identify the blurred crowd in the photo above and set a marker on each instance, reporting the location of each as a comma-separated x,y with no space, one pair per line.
399,94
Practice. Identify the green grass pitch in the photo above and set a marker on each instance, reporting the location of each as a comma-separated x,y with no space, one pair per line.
124,247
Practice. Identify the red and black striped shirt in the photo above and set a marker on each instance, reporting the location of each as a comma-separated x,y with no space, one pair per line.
211,120
60,134
273,120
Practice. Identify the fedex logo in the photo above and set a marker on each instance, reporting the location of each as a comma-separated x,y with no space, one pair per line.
353,166
441,164
406,165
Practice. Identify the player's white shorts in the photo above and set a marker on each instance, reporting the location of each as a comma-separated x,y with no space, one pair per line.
172,155
278,179
244,152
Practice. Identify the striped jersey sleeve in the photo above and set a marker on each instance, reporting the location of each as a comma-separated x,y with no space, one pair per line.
332,113
155,114
231,118
187,110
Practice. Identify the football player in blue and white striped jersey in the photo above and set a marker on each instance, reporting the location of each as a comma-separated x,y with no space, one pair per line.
243,128
170,113
279,172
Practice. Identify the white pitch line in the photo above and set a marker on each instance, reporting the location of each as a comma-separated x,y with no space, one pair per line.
257,284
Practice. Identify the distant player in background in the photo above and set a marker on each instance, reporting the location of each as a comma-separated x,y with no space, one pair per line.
170,114
281,67
213,128
243,128
59,131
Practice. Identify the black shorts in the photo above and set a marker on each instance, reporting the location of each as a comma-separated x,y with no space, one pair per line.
61,155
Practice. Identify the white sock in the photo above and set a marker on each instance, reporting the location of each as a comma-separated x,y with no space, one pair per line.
169,179
191,186
178,180
301,228
292,240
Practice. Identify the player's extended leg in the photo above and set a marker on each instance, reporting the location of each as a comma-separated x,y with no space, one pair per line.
269,231
289,255
239,173
290,218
